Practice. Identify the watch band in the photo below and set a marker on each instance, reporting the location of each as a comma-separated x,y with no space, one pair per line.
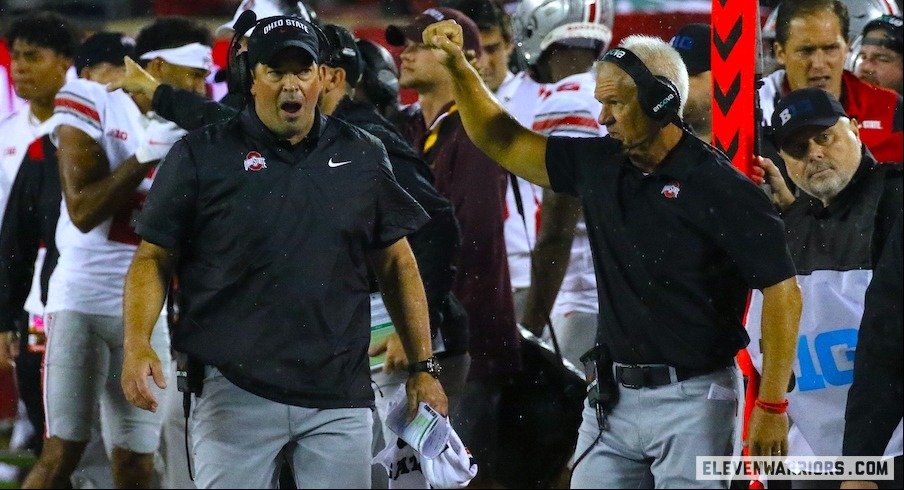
430,366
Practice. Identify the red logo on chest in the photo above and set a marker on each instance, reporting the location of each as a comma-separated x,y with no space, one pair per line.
671,189
254,161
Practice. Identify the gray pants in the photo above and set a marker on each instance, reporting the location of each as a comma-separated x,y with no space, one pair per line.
82,369
171,461
238,440
655,435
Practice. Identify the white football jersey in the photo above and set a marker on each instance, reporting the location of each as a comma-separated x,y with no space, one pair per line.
568,108
90,274
519,94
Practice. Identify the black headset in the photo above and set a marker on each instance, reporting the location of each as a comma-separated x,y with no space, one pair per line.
659,98
239,80
380,77
340,53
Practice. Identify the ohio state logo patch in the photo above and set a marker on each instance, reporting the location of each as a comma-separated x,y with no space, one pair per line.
671,189
254,161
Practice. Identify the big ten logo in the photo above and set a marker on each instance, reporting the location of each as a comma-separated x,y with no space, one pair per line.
801,107
826,359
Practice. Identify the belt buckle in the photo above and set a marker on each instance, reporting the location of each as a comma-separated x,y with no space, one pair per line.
644,375
673,374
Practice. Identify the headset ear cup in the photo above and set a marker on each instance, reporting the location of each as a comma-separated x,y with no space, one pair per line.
661,101
379,79
244,73
672,109
325,50
239,74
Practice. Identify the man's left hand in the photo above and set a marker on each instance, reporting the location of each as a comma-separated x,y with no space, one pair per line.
135,81
768,433
396,359
422,387
766,172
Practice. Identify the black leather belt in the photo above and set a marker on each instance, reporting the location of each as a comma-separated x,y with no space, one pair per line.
636,376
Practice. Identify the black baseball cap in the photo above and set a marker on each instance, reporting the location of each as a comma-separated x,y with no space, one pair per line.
892,26
693,44
802,108
343,52
273,34
396,34
109,47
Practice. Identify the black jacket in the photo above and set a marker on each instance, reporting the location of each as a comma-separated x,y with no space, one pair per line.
874,406
436,245
31,218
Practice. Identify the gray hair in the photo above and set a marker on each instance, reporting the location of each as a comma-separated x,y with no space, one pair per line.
661,59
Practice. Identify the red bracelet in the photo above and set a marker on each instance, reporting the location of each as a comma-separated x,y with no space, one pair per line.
776,408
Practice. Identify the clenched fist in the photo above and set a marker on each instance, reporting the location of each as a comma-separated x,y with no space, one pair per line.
447,36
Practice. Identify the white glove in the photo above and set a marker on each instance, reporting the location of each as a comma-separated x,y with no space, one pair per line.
159,137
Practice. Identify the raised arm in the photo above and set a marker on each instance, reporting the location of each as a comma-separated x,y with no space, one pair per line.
187,109
494,131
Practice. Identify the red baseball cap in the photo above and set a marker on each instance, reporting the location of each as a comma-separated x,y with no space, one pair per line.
396,35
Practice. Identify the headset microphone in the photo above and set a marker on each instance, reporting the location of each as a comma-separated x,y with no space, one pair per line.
244,22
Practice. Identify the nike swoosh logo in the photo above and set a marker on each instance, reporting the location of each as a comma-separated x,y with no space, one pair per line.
331,163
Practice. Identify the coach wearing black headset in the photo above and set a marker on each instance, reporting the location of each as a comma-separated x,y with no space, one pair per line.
678,239
269,219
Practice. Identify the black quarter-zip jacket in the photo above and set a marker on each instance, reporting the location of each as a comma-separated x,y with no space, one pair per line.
273,241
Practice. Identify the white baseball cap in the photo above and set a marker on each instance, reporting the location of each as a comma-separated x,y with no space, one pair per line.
263,8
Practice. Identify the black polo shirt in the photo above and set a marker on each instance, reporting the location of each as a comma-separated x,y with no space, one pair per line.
676,251
273,242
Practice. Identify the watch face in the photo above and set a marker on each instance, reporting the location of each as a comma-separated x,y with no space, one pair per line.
430,366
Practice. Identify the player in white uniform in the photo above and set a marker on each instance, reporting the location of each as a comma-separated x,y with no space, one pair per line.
108,151
519,95
41,48
561,52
